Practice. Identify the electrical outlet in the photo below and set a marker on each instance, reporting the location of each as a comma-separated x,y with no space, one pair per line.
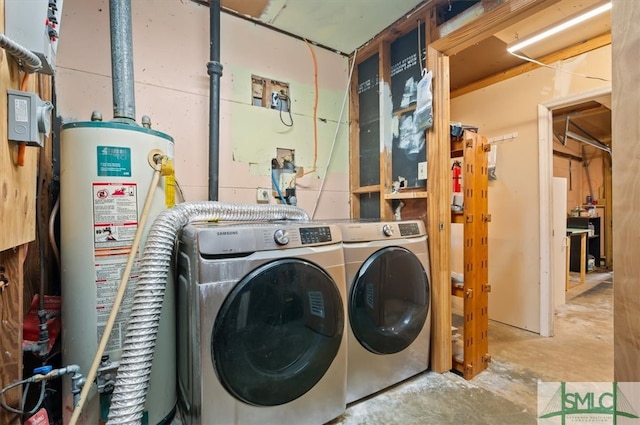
422,170
262,195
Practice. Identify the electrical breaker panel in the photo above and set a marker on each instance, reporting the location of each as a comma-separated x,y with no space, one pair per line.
35,25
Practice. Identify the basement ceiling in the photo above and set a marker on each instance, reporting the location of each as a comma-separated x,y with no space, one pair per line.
345,25
590,119
342,25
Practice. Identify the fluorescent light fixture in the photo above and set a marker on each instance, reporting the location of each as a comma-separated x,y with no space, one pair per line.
561,26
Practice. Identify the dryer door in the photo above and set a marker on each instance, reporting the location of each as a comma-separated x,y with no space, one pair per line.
389,300
277,332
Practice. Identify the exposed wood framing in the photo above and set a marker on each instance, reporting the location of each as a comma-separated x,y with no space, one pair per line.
439,213
393,31
567,155
44,205
354,143
569,52
384,71
431,205
483,20
11,330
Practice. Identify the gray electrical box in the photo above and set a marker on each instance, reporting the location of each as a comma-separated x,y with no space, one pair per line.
29,118
35,25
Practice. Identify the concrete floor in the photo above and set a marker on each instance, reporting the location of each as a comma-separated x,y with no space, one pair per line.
506,393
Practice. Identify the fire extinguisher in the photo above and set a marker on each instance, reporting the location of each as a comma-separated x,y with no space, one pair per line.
456,172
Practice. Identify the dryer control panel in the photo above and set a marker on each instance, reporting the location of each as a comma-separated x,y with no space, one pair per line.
314,235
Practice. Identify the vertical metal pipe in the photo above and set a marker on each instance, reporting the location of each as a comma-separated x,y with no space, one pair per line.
122,59
214,69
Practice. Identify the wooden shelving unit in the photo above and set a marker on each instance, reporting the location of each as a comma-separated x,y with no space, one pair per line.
475,219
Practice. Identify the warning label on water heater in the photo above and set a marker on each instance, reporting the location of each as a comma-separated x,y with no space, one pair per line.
115,221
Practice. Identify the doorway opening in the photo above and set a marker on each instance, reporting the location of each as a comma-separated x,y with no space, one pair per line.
574,135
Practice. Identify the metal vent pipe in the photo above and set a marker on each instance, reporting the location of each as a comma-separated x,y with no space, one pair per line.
122,60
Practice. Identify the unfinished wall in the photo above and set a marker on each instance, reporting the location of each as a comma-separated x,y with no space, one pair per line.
507,107
171,49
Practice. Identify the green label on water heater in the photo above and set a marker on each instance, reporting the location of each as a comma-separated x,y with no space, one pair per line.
114,161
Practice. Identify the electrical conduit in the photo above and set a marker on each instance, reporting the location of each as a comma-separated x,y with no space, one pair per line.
132,380
31,63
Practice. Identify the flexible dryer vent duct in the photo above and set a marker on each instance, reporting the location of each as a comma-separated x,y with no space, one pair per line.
132,380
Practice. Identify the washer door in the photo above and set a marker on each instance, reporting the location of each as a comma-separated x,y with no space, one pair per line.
277,332
389,301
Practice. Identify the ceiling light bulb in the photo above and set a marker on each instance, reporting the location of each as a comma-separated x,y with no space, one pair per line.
528,41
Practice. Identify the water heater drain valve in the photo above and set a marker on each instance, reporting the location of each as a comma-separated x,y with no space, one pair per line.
106,375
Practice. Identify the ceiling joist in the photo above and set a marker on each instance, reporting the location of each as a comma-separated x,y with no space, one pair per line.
483,20
569,52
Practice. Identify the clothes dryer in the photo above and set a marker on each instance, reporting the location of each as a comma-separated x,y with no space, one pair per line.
389,300
261,323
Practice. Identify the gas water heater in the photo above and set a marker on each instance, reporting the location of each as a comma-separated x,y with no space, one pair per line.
105,173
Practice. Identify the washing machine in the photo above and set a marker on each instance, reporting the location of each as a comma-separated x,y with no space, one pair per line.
389,300
261,323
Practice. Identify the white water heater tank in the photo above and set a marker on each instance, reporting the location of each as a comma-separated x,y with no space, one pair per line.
105,175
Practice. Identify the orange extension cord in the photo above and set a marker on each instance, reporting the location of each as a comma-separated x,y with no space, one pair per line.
22,147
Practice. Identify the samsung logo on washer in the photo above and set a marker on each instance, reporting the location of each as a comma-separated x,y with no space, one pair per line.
227,233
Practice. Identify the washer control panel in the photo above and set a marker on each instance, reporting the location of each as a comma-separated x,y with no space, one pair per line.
313,235
409,229
281,237
387,230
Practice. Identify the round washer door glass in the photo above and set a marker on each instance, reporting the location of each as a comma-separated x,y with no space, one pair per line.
277,332
389,301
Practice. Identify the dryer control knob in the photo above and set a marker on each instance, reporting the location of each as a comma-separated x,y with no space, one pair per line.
387,230
281,237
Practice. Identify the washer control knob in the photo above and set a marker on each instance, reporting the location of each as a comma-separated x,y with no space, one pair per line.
387,230
281,237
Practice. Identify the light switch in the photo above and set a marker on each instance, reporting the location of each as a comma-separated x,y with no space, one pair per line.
422,170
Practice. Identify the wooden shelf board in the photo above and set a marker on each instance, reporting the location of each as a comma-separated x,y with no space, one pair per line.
457,217
457,292
406,195
458,153
457,145
458,365
366,189
402,111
